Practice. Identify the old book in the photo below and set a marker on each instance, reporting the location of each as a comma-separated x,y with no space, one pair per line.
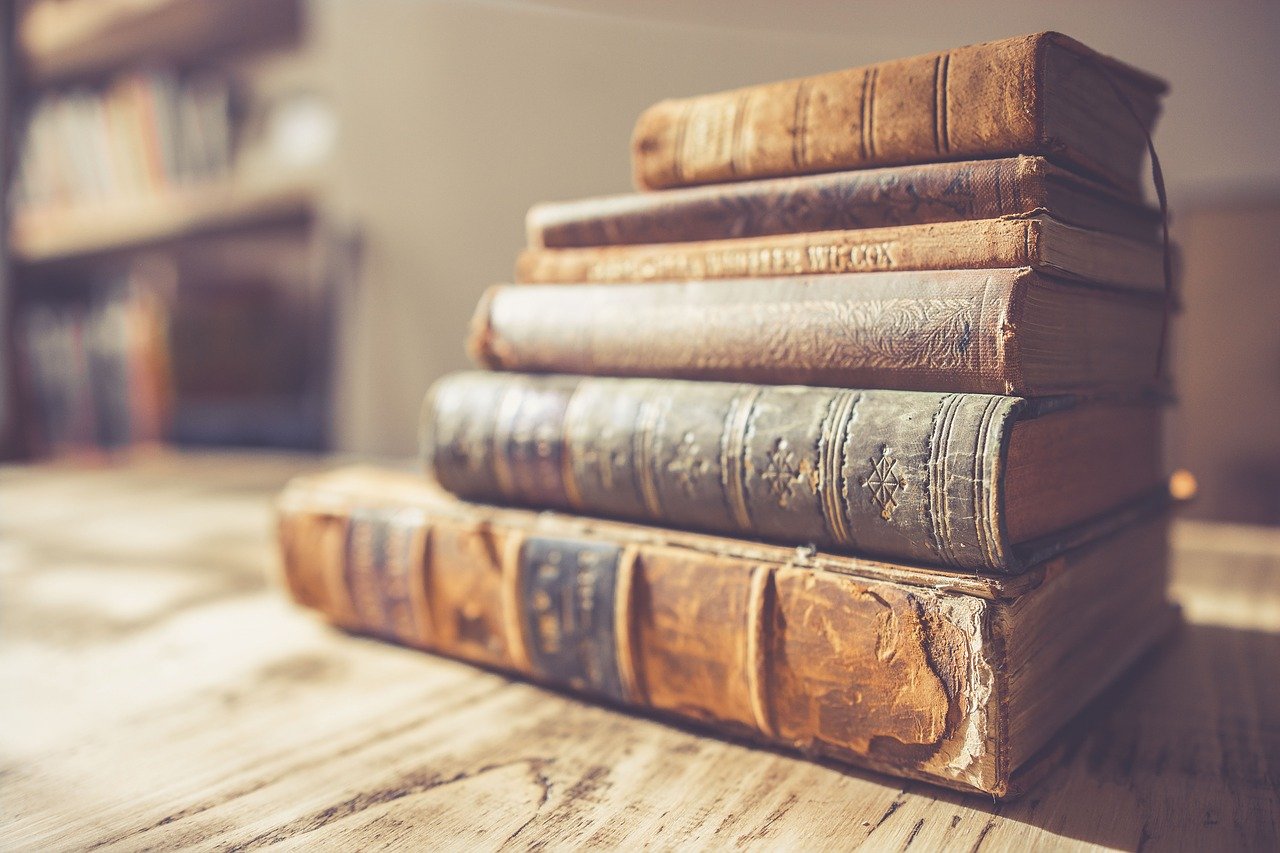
1008,331
1038,242
971,481
955,679
1039,94
842,201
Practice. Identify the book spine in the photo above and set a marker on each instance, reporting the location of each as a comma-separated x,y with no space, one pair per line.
913,331
909,476
981,244
876,674
972,102
873,198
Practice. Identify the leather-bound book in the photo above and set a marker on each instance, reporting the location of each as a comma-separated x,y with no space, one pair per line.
1009,331
1041,94
1038,242
969,481
955,679
843,201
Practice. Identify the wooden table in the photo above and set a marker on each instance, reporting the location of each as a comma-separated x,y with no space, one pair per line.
160,693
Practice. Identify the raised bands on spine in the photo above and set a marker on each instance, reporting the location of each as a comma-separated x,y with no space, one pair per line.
733,442
513,603
941,131
799,135
629,672
760,600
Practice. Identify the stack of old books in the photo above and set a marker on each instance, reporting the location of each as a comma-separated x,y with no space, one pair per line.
851,419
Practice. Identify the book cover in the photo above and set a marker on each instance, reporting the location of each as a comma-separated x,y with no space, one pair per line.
958,680
1038,94
843,201
969,481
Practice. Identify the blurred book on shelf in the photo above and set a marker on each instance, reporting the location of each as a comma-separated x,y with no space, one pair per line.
249,331
156,155
217,343
67,39
165,231
143,135
93,366
239,356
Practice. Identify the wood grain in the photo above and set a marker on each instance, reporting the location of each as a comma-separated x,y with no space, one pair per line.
161,695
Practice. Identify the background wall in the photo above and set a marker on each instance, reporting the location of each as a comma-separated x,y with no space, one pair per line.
457,116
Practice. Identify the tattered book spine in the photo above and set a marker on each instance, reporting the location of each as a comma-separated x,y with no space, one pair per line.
911,476
872,198
980,244
979,101
971,102
937,331
878,674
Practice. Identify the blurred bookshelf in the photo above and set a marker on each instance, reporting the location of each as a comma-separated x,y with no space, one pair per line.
42,237
171,266
65,40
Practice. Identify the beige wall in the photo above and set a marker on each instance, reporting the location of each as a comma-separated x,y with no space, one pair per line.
1227,357
457,116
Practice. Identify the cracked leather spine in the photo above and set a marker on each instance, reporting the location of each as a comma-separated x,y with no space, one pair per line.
742,644
872,198
979,101
918,109
901,475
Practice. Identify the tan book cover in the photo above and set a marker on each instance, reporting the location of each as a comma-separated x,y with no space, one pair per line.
1041,94
1038,242
954,679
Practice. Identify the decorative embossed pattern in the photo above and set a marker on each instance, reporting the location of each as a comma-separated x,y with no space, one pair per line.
689,466
885,482
784,475
919,331
829,467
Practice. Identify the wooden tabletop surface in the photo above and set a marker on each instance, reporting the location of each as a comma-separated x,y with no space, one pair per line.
160,693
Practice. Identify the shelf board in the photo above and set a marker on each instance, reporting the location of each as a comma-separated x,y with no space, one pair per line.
44,236
76,39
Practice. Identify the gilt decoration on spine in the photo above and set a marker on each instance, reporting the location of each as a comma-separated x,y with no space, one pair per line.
877,472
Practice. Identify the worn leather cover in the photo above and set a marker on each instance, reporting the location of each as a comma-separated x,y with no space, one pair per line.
910,476
960,330
979,101
895,668
842,201
1037,242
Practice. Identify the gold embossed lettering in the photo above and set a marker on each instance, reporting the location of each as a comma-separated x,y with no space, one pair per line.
736,262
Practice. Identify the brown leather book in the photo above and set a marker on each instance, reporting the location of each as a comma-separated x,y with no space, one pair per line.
1038,242
842,201
1009,331
969,481
1041,94
958,680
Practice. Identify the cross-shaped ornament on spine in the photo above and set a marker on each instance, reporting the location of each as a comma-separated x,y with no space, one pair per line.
885,484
